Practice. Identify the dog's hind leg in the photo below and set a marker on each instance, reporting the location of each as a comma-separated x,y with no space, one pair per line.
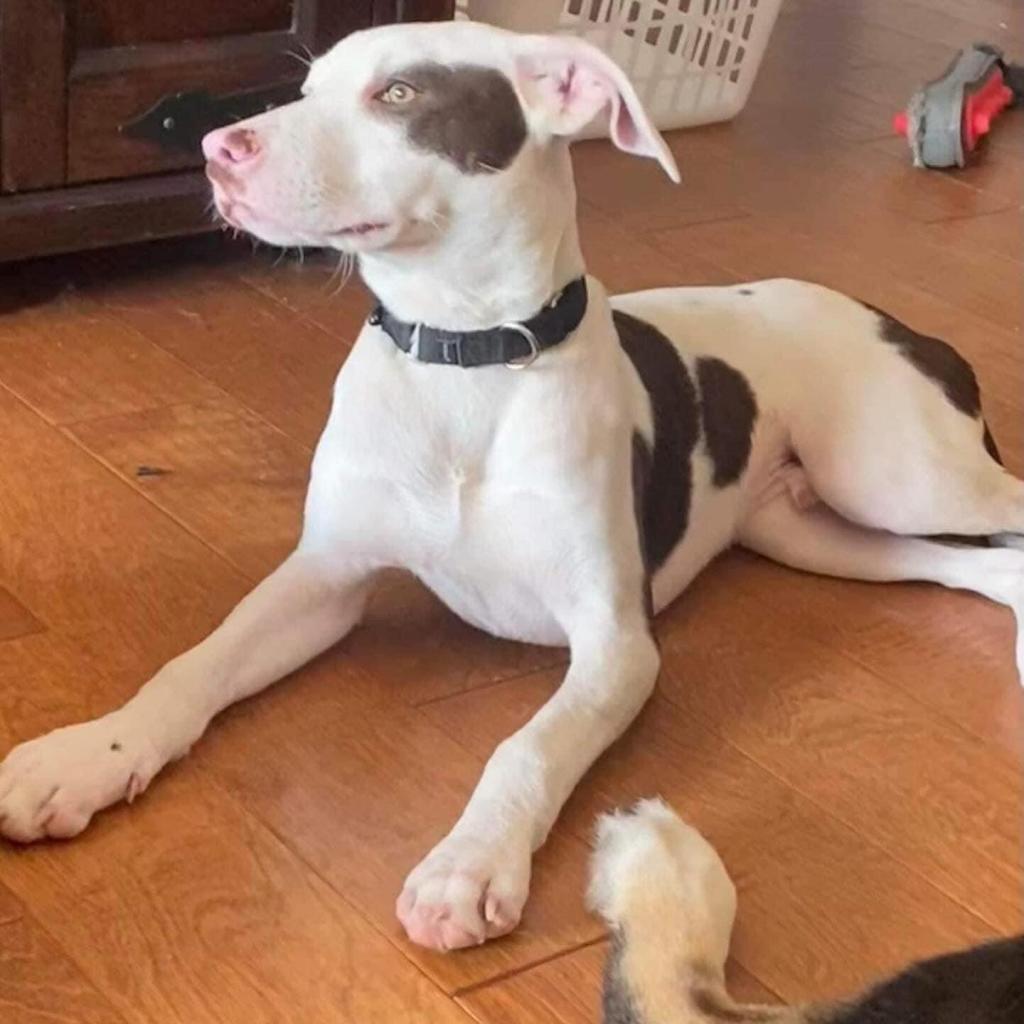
816,539
933,478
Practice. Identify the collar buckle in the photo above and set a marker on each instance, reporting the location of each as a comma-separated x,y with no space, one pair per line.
414,342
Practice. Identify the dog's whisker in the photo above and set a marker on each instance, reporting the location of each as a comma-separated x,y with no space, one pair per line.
346,265
304,61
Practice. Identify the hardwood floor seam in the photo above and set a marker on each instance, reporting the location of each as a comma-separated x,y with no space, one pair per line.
834,816
148,497
522,969
142,333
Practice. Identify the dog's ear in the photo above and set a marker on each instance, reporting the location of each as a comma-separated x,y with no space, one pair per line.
565,82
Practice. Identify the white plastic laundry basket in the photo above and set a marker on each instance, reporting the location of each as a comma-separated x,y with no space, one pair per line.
692,61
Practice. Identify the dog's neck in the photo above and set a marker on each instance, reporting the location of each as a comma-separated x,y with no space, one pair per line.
491,265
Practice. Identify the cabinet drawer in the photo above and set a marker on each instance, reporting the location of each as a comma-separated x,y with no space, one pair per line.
112,88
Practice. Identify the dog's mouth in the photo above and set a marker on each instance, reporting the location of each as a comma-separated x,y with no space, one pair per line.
359,230
241,215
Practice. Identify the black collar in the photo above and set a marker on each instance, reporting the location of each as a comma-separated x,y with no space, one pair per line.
516,345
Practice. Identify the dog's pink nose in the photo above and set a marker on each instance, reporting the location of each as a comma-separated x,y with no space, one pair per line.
231,146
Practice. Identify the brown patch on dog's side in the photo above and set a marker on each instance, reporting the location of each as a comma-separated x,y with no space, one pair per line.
467,113
936,359
728,412
990,446
674,410
641,473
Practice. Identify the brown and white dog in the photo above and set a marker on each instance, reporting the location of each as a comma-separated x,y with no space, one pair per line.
670,904
553,463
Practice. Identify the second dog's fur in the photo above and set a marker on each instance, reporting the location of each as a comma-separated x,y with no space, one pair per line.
670,904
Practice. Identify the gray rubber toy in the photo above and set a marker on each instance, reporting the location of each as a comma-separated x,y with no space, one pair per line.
935,112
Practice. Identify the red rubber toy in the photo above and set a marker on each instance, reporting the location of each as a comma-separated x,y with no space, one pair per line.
947,119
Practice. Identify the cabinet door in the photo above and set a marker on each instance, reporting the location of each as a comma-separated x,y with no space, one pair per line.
98,89
32,84
177,60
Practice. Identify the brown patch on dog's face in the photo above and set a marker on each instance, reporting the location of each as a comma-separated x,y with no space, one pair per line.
467,113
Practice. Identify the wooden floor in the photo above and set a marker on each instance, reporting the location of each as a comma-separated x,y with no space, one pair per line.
854,751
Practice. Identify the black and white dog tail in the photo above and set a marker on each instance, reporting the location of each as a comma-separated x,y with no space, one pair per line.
670,904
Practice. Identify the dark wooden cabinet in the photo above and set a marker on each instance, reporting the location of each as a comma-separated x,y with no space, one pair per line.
102,103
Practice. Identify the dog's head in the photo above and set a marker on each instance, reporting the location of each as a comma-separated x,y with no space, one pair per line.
404,129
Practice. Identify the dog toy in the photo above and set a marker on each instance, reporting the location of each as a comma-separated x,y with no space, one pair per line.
947,119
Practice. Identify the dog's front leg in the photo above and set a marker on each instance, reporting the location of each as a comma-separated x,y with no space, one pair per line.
473,885
52,786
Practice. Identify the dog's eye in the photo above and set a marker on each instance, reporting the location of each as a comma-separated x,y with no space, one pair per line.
397,92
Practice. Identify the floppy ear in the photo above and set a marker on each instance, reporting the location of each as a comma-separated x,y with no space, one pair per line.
565,82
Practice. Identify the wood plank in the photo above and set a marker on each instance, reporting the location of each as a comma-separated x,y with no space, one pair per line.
96,561
10,907
624,261
651,202
15,618
943,22
846,738
998,233
901,194
363,788
73,362
40,985
215,467
46,681
950,652
244,341
316,288
33,94
427,652
216,918
784,851
568,990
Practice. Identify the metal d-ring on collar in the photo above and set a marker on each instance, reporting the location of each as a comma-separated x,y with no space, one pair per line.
531,358
555,321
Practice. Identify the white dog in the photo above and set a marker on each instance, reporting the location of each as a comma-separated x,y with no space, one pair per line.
553,464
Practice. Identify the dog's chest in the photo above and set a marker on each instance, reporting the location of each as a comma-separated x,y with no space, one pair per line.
425,458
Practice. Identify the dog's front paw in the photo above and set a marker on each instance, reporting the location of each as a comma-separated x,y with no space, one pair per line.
51,787
465,892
